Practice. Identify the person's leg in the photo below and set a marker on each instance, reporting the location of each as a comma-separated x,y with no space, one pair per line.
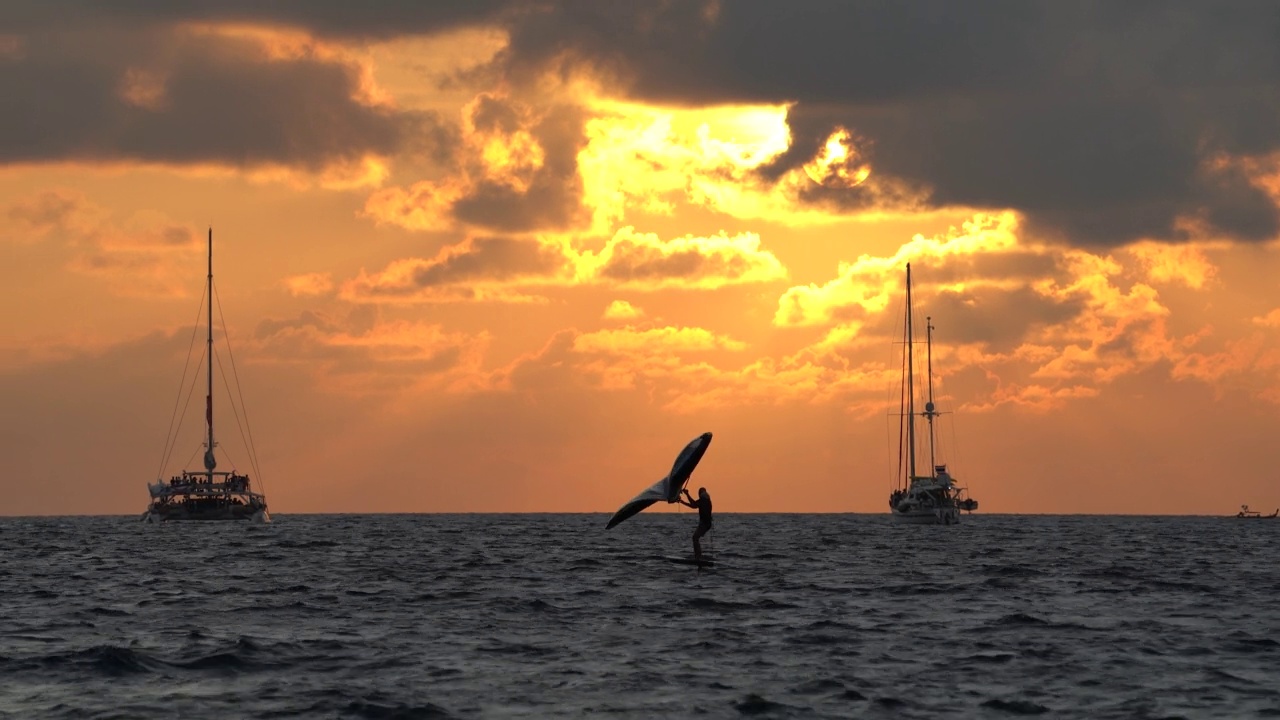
697,545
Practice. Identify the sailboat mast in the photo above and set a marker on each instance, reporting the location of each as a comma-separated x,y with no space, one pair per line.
929,406
210,461
911,393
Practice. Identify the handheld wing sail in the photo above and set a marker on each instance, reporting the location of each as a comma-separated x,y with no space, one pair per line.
669,487
654,493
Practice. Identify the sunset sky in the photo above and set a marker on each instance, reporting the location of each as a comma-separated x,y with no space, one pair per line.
513,255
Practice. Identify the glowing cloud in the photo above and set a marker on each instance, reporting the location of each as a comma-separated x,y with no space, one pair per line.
654,341
140,256
363,355
309,285
34,217
512,169
622,310
647,159
501,269
869,284
838,163
1271,319
645,262
1069,320
425,205
1186,264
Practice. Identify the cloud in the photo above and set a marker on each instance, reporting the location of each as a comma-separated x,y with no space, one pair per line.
1185,264
1153,129
1041,324
985,251
390,18
622,310
689,370
649,159
1002,106
362,354
309,284
505,269
49,213
653,341
644,261
143,255
517,171
190,96
478,269
1271,319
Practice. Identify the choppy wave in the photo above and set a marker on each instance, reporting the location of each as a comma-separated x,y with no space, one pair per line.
550,616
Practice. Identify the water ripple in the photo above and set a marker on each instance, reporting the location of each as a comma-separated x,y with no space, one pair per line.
804,616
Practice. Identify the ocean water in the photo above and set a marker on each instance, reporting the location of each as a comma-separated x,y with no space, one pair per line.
804,616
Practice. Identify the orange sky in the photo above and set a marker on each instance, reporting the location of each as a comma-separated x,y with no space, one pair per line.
498,259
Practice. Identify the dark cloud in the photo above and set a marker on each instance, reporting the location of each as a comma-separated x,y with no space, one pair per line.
333,18
647,263
984,298
307,319
46,209
163,96
489,258
351,347
1103,122
1098,120
553,198
632,261
999,319
1015,264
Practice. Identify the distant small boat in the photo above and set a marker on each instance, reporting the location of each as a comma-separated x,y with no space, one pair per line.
932,499
207,494
1247,514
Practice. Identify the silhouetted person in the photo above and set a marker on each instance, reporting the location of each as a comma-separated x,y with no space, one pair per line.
703,506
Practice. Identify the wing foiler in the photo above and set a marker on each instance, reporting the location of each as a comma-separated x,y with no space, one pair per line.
669,487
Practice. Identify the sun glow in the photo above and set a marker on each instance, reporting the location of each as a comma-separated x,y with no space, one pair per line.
650,159
838,164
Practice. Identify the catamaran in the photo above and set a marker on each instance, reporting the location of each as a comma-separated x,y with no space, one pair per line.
209,493
932,499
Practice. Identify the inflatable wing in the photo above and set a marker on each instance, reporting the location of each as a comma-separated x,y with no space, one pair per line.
669,487
655,492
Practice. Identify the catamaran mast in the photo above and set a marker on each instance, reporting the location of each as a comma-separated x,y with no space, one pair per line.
911,393
210,462
929,406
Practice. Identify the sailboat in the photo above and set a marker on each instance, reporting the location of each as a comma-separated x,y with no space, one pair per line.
923,499
208,493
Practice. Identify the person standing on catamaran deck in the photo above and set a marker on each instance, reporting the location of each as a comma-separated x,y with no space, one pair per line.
703,506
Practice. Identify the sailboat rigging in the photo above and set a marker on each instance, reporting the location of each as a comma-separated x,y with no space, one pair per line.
918,498
207,494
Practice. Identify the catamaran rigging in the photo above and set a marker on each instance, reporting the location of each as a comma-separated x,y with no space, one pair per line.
209,494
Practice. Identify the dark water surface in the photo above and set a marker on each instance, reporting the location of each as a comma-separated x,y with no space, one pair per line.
424,616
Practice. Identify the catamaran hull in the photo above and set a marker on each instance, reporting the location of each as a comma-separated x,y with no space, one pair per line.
256,515
928,517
